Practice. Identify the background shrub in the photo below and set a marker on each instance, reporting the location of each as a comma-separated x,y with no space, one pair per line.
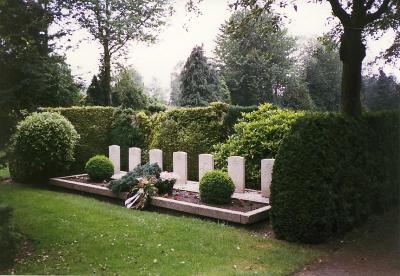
99,168
256,136
155,107
234,113
329,175
8,237
216,187
42,147
130,128
93,123
126,183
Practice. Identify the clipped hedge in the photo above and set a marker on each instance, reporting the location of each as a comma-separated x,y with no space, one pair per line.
256,136
93,124
193,130
327,176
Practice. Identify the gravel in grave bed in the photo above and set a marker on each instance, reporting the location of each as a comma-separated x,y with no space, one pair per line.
187,196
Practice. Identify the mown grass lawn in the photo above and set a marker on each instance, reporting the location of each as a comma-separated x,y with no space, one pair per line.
72,234
4,173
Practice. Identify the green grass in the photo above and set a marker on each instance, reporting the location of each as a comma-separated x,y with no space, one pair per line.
73,234
4,173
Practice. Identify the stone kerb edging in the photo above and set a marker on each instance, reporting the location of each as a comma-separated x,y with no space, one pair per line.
186,207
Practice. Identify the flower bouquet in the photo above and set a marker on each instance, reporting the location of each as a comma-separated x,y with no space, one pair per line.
139,196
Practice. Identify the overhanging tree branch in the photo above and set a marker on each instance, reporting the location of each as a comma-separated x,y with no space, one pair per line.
374,16
369,4
340,12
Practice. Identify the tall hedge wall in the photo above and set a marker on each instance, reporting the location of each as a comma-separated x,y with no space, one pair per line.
332,172
93,124
193,130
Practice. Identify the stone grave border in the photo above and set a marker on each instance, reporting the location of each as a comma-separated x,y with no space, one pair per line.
186,207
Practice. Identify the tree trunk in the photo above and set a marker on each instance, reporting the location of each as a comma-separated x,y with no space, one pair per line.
107,74
352,53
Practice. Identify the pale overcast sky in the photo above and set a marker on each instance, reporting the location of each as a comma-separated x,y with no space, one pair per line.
175,42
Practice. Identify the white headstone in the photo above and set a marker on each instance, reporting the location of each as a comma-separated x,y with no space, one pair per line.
206,163
135,155
266,176
114,155
155,156
180,166
236,171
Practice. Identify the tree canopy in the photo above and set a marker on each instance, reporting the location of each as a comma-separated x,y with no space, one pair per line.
358,19
381,92
126,92
200,84
115,23
32,74
258,64
95,94
323,73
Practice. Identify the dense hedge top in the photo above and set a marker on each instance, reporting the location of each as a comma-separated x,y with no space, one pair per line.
330,174
93,123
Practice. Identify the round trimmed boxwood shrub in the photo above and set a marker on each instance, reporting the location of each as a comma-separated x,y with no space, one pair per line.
99,168
216,187
42,147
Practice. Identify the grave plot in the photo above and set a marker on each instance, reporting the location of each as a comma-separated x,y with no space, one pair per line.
246,206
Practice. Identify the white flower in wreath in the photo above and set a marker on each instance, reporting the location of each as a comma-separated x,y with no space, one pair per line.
168,176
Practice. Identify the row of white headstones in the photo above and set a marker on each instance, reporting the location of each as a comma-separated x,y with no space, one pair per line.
236,166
